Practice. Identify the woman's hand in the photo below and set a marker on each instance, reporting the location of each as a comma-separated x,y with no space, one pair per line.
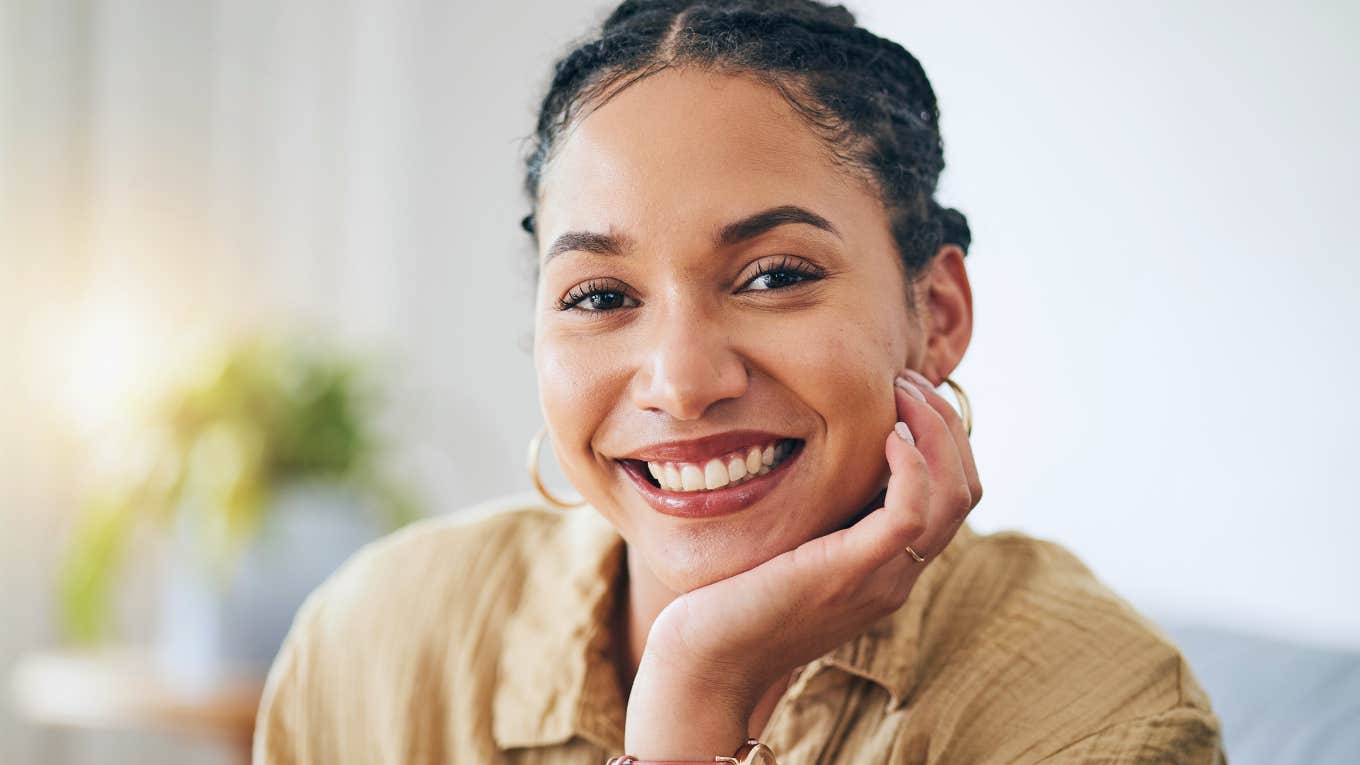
713,652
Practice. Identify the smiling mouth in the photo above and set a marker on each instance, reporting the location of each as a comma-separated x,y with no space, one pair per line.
726,470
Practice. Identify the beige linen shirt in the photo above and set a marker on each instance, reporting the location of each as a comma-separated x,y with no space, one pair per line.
481,637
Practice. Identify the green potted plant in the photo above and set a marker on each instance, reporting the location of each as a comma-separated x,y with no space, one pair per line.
262,424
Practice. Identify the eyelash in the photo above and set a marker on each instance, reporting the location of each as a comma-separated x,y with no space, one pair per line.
581,292
804,270
801,269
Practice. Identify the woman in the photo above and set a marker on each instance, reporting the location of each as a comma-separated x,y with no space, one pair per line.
746,298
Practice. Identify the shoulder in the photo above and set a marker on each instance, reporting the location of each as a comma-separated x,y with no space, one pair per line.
482,544
428,579
383,640
1013,594
1020,632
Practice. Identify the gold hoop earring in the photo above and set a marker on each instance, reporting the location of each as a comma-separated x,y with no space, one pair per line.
535,444
965,408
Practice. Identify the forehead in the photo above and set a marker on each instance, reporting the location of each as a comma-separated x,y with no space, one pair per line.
683,151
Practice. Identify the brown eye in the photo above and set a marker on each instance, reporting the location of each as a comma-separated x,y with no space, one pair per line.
787,272
774,280
603,301
596,295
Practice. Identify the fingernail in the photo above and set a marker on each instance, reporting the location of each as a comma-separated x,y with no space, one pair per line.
919,378
911,389
903,432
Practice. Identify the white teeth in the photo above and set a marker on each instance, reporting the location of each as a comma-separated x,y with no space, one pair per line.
736,469
715,475
753,460
690,478
719,471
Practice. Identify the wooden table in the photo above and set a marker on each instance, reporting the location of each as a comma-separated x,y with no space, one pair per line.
122,688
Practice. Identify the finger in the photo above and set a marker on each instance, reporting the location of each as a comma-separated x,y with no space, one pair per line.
956,428
950,496
883,534
927,492
906,500
867,562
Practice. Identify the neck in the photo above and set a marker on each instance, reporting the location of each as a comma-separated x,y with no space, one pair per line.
641,598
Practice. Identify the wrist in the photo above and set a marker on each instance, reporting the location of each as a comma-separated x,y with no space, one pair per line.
682,662
684,712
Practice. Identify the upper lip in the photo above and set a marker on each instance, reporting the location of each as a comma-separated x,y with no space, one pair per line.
700,449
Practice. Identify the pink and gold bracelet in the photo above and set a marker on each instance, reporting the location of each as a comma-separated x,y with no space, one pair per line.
751,752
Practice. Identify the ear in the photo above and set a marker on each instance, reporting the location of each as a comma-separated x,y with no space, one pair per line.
946,304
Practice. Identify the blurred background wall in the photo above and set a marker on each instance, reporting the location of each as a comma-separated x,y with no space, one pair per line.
1162,193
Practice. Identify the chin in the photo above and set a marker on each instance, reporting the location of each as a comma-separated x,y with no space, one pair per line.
691,556
681,578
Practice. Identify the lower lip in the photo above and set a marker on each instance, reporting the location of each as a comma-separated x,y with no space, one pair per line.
710,504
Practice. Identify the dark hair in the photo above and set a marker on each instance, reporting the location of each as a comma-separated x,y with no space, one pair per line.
865,96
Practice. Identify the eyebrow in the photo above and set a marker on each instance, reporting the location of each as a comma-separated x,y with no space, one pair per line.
733,233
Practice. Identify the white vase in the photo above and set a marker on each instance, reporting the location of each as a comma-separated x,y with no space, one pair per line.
208,630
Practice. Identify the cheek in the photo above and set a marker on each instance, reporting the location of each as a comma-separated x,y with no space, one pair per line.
845,357
577,388
846,378
842,368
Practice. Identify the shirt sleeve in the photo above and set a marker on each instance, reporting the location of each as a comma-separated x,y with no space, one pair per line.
281,730
1187,735
293,723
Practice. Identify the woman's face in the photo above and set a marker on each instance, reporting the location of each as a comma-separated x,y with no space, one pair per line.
666,335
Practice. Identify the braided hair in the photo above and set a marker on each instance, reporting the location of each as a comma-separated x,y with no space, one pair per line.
866,97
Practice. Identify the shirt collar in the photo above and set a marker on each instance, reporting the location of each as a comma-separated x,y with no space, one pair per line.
888,652
556,676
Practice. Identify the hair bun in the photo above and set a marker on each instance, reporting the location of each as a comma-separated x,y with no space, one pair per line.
839,14
953,226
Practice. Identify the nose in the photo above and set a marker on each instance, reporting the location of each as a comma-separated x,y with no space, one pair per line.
689,365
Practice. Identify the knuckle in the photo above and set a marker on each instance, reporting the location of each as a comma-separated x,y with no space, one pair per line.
962,500
838,579
842,589
908,527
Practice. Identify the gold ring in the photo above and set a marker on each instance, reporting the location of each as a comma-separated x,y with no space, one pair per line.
915,555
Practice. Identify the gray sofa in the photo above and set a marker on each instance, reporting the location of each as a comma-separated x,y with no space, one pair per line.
1280,703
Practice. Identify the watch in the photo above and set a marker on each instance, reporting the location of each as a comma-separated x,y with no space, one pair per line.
751,752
